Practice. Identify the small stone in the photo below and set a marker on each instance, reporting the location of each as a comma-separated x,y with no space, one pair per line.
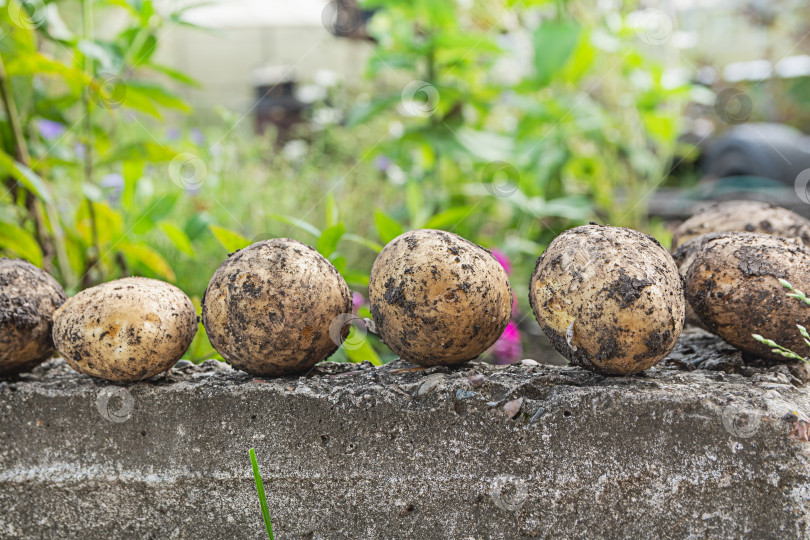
214,364
529,362
183,364
492,403
537,415
429,385
512,408
476,381
464,394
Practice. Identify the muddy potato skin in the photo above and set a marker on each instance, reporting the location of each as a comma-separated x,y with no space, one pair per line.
125,330
438,299
743,216
609,299
268,308
28,298
733,287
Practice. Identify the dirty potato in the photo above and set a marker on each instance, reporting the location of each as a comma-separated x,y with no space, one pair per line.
609,299
125,330
28,298
733,287
437,298
744,216
277,307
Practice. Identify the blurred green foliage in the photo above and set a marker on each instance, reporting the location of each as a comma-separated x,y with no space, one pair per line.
462,131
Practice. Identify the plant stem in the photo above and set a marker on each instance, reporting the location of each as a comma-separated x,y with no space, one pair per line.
92,258
22,156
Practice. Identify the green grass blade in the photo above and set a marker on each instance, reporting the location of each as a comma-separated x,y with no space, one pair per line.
257,476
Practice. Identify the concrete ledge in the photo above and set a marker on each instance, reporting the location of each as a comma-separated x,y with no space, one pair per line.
357,452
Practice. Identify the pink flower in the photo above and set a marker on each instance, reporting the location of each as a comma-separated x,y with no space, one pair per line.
501,257
357,300
508,348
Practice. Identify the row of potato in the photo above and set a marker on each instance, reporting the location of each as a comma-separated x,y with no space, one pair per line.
609,299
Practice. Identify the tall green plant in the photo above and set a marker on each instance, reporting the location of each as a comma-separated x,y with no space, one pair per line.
72,203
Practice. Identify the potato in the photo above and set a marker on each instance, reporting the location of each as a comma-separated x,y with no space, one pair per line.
733,287
28,298
125,330
269,307
609,299
748,216
438,299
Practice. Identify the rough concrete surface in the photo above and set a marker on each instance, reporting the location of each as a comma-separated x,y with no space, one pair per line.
359,452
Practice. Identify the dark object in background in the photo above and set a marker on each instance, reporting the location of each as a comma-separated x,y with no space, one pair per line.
764,150
343,18
276,104
752,161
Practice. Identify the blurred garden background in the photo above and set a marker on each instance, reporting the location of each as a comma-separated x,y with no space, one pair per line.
148,137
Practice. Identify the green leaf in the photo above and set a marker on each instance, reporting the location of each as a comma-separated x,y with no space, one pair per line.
328,241
387,228
155,212
257,478
364,112
177,237
449,218
230,240
25,176
143,151
358,279
363,351
149,258
332,215
554,41
18,242
295,222
176,75
197,225
157,94
357,239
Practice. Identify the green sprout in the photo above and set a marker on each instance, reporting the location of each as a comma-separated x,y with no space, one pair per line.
775,347
257,476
